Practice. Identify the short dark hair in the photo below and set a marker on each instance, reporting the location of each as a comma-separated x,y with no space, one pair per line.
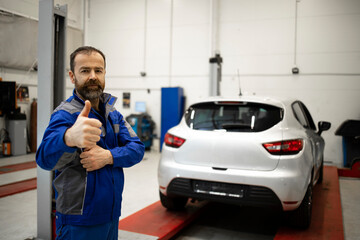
85,50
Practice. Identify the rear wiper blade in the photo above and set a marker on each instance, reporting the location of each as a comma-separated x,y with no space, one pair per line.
236,126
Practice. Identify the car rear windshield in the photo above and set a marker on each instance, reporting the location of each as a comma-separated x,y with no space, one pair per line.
233,116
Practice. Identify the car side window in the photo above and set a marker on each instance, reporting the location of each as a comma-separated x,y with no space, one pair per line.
299,115
309,118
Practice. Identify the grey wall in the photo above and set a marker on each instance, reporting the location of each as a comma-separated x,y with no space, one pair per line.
18,42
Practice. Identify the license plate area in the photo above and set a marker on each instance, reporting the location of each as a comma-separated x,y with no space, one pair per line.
218,189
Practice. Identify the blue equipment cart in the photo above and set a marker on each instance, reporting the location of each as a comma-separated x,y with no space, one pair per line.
143,126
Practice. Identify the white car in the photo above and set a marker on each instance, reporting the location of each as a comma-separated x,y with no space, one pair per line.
250,151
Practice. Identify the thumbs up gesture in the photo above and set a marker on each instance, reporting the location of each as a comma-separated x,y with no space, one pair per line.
85,132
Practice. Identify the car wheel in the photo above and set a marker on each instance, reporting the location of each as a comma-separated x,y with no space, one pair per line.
301,217
173,203
321,172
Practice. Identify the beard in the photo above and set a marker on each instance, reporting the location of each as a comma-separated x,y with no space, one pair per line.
90,90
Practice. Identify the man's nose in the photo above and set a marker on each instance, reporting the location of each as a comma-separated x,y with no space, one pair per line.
92,74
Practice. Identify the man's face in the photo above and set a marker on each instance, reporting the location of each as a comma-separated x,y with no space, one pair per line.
88,75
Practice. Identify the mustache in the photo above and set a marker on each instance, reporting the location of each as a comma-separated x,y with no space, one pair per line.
92,82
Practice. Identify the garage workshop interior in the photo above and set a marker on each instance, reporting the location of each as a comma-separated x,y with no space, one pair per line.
248,112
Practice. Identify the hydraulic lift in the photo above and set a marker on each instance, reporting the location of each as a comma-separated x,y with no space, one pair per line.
51,91
155,222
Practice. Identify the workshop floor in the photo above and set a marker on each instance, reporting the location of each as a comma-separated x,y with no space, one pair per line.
18,212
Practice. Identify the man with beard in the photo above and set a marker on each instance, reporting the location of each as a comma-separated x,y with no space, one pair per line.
88,143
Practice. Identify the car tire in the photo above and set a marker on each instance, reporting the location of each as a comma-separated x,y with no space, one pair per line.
301,217
321,172
173,203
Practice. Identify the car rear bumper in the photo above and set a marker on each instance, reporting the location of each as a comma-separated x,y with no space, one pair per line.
279,187
246,194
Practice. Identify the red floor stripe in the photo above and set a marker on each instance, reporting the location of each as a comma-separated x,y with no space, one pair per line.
17,167
327,221
353,172
155,220
17,187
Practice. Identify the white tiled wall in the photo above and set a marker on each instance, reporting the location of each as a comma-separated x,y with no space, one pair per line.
256,38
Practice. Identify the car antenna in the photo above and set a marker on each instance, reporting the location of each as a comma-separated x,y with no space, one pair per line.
238,73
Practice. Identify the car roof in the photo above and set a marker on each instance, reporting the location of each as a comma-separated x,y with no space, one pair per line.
271,100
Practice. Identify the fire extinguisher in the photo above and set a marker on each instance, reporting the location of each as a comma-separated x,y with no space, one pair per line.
6,144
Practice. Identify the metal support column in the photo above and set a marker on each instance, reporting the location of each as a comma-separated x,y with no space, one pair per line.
51,91
215,75
215,60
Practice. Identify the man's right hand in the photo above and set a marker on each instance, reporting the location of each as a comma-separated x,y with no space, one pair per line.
85,132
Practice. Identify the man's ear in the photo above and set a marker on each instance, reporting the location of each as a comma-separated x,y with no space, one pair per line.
72,78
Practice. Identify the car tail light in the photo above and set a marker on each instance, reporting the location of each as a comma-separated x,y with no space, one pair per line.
287,147
173,141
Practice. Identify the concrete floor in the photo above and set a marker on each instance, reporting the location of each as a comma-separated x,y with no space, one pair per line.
350,199
18,212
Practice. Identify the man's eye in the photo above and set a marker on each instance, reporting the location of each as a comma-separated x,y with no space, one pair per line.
99,71
84,71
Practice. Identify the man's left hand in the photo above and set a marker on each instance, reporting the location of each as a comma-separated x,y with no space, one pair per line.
95,158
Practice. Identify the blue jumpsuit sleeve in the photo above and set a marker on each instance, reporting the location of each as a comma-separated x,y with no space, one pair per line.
132,150
53,146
